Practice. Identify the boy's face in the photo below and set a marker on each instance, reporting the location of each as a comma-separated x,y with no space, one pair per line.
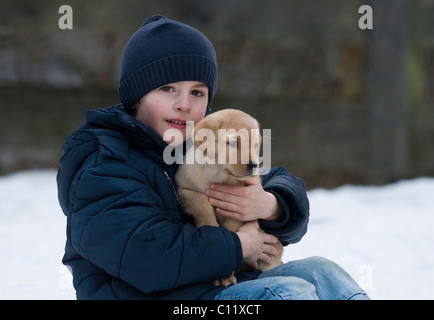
172,105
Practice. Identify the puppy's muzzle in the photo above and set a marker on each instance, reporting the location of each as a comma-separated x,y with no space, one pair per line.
252,166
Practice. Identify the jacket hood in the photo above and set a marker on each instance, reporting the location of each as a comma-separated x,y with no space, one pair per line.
115,118
110,132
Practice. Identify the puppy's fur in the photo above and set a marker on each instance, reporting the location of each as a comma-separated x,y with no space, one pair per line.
194,179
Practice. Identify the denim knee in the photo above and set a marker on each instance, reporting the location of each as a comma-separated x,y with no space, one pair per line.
271,288
318,262
330,279
319,266
291,288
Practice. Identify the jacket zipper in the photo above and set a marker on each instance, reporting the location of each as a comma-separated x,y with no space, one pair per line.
173,186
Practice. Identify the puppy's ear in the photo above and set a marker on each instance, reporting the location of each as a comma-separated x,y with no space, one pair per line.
209,122
203,130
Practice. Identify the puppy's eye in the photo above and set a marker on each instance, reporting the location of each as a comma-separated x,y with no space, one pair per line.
233,143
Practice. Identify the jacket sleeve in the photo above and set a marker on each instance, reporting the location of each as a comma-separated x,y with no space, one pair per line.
291,193
119,223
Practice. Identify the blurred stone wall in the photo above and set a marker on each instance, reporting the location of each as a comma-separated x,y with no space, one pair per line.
344,105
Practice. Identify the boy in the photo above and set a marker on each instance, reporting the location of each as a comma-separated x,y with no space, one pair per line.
127,237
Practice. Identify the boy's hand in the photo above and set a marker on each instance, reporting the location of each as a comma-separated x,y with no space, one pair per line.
256,245
246,203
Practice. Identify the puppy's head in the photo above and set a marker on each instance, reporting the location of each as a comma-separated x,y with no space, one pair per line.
235,144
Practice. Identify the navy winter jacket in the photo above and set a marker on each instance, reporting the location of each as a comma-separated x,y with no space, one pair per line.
127,237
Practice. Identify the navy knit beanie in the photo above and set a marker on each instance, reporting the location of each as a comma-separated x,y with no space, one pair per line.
163,51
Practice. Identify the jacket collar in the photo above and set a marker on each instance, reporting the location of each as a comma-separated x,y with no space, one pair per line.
116,118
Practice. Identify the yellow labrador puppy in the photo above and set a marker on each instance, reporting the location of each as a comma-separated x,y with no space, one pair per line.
225,150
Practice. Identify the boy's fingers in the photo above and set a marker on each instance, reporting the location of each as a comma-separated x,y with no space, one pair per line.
270,250
265,258
269,238
234,190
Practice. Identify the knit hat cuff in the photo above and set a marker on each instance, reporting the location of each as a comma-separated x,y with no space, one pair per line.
170,69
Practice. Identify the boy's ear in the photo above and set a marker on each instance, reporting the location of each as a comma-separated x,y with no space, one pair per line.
133,110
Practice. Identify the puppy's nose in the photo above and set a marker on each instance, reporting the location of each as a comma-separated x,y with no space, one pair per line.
252,165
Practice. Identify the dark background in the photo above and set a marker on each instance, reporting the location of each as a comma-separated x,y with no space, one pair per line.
344,105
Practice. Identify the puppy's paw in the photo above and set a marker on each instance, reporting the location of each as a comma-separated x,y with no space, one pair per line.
226,281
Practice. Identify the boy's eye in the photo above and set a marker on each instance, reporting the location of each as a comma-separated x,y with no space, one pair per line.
197,93
167,89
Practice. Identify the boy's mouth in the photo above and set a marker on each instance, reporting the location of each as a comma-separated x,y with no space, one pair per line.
179,124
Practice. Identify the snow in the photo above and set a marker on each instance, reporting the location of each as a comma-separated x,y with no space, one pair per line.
383,236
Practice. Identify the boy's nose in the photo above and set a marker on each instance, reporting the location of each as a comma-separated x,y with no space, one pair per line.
183,103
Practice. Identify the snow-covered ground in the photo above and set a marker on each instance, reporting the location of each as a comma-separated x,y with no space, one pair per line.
383,236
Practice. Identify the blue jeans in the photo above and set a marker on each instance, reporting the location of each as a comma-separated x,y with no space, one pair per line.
307,279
